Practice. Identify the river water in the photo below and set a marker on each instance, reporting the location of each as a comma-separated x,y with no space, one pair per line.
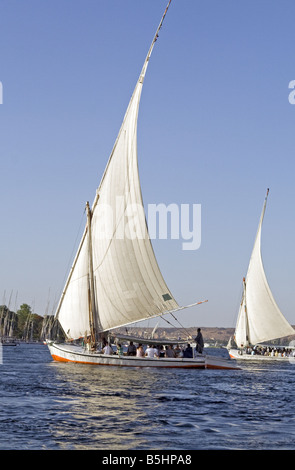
55,406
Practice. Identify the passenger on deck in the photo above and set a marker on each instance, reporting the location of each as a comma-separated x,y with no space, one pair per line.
151,351
140,351
199,341
178,351
169,352
188,352
161,351
131,350
107,349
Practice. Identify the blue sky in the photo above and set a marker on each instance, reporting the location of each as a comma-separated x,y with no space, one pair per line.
215,128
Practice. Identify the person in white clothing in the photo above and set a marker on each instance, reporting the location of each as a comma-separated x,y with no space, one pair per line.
107,349
151,351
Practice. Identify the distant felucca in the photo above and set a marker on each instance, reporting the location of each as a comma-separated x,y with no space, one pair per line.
259,319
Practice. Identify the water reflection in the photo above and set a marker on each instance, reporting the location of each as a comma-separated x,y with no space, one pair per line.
106,407
120,408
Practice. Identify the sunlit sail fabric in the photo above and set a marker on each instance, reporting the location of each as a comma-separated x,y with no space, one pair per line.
73,312
260,319
128,283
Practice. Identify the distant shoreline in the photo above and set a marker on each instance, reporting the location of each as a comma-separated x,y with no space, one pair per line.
210,334
218,336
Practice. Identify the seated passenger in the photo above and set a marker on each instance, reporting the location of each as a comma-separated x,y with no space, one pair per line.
107,349
178,351
131,351
140,351
188,352
151,351
161,351
169,352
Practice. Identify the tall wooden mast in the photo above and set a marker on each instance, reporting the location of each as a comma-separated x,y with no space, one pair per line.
92,302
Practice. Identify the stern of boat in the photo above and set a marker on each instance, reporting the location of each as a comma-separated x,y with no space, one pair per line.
214,362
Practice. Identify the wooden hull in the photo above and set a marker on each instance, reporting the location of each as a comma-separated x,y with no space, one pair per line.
77,354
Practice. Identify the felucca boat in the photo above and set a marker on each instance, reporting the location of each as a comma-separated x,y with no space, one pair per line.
115,279
260,319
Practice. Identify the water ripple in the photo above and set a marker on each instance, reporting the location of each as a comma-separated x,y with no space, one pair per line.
48,405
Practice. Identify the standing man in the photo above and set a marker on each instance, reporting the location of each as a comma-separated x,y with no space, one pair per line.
199,342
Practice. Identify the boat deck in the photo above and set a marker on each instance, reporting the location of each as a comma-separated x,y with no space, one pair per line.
77,354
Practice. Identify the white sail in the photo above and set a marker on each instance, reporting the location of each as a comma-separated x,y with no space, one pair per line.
242,333
128,284
260,319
